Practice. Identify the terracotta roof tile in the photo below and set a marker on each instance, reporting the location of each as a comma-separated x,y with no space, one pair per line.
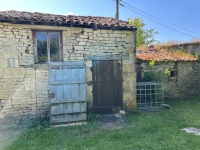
164,55
13,16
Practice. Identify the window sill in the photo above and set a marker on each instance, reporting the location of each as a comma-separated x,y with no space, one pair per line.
41,66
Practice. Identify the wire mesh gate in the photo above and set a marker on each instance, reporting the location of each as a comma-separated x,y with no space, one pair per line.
150,96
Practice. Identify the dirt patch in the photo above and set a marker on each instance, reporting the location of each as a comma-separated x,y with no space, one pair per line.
111,121
7,133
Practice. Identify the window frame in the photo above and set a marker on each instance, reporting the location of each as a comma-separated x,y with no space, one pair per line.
48,44
174,74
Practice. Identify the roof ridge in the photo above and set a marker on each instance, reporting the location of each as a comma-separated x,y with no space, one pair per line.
14,16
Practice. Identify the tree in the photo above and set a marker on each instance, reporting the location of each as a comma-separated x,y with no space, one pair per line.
144,36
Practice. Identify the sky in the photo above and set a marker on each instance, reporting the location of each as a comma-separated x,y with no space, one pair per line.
181,13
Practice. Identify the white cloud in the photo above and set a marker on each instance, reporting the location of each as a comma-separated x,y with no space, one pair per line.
71,13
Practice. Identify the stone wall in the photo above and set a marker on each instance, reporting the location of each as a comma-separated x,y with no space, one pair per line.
186,84
24,86
193,48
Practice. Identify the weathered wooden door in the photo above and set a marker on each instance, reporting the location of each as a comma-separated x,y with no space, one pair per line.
67,92
139,72
107,86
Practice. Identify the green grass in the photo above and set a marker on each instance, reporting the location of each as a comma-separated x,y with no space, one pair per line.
146,130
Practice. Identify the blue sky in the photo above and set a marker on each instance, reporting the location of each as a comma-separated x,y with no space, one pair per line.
182,13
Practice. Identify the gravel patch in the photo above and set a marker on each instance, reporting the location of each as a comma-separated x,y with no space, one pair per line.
111,121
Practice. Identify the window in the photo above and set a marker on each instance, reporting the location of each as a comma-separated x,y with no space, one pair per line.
173,73
47,47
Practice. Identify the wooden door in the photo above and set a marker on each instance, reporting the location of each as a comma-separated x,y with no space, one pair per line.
67,92
139,72
107,86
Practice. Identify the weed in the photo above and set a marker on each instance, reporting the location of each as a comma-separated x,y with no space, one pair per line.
91,117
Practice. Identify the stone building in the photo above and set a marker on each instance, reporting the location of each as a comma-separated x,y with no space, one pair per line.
58,65
177,66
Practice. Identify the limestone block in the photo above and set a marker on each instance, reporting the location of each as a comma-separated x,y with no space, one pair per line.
29,87
114,35
22,63
117,32
130,38
123,35
4,39
122,113
85,33
78,47
1,35
83,36
82,43
2,71
23,34
10,27
112,39
128,68
105,35
80,58
42,86
96,31
30,71
106,39
104,31
16,32
79,39
123,39
127,32
118,39
91,37
89,63
88,30
98,35
45,93
30,49
24,41
8,32
129,83
99,38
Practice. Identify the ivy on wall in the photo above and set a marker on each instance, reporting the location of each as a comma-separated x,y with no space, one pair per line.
154,76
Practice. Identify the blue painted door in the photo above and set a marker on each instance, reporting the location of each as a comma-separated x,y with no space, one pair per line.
67,92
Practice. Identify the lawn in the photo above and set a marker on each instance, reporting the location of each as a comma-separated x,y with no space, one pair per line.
146,130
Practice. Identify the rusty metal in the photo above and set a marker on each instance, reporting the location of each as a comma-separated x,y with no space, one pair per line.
51,95
107,86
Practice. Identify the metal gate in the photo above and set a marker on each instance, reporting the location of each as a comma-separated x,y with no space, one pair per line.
107,86
67,92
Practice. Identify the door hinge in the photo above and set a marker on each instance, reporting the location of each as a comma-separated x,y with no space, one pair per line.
51,95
